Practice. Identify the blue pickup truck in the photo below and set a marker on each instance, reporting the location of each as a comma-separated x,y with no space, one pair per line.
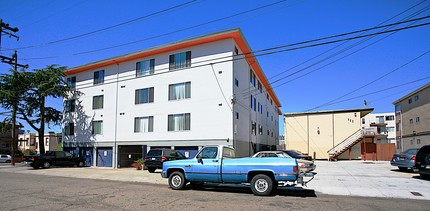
217,164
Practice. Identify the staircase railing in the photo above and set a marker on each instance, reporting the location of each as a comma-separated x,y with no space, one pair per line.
347,143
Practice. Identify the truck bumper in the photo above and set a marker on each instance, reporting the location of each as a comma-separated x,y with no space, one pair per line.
304,178
164,174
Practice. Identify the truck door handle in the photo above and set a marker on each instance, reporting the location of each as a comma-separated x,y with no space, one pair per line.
188,166
216,161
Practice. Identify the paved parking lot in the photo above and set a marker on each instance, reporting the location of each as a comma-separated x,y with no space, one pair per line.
354,178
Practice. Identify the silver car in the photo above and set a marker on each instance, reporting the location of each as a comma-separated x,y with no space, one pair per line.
5,158
304,165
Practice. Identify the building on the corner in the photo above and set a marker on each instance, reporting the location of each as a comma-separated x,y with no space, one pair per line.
385,125
6,137
207,90
413,119
334,134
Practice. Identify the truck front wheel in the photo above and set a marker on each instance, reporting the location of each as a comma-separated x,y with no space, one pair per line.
177,180
261,185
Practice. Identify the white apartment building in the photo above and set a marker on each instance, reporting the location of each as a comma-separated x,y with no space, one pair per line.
207,90
385,125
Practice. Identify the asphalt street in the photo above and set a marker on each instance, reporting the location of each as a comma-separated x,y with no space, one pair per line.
347,178
23,191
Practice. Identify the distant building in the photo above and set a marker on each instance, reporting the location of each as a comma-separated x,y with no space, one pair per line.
413,119
385,125
6,137
53,141
183,95
334,134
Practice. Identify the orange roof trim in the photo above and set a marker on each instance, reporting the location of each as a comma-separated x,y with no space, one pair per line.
233,34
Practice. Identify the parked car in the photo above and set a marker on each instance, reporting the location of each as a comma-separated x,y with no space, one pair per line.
5,158
156,157
298,155
422,163
405,160
304,165
56,158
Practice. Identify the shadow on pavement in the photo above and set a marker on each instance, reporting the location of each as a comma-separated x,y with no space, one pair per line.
243,189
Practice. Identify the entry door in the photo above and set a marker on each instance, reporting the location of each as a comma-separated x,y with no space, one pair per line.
104,157
87,153
209,168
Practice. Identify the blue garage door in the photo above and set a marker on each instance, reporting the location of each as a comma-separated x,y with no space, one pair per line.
87,153
189,152
104,157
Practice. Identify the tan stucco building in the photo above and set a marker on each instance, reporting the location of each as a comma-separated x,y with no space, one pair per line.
413,119
318,132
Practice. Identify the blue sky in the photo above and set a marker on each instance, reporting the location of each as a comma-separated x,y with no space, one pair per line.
44,24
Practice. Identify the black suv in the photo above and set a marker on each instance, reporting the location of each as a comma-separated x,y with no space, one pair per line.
422,162
155,158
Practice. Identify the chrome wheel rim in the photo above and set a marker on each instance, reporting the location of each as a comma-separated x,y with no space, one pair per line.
176,181
261,185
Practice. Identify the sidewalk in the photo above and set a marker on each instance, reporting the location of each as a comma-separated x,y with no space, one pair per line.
351,178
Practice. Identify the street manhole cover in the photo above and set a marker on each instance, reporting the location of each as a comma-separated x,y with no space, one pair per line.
416,194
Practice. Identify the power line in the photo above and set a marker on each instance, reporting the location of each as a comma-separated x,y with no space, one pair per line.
373,81
113,26
375,92
249,54
416,13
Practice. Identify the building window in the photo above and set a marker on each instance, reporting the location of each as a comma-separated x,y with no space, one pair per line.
410,100
412,142
70,106
417,97
97,128
236,51
411,121
363,121
260,87
236,82
260,129
144,124
145,67
99,77
268,132
254,128
71,81
389,118
418,141
180,91
179,122
69,130
397,108
144,96
252,77
98,102
417,119
237,115
180,60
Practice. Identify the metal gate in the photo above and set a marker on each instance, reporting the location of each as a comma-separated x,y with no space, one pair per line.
87,153
129,154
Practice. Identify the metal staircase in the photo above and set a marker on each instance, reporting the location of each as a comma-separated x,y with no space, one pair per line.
347,143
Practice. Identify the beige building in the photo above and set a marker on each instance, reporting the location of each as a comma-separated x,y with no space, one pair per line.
31,141
337,131
413,119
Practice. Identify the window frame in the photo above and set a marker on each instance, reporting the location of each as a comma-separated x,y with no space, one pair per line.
187,89
99,78
93,128
150,71
95,105
139,99
175,65
150,124
171,124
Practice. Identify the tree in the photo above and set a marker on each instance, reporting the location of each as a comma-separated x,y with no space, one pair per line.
12,88
46,82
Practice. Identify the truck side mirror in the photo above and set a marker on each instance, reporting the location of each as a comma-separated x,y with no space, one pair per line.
199,160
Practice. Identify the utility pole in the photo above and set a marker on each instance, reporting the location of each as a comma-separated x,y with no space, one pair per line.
6,29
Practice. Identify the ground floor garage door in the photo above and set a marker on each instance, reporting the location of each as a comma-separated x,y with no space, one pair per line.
87,153
129,154
189,152
104,157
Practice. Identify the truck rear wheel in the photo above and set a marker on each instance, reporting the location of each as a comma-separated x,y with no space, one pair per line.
261,185
151,169
177,180
80,164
